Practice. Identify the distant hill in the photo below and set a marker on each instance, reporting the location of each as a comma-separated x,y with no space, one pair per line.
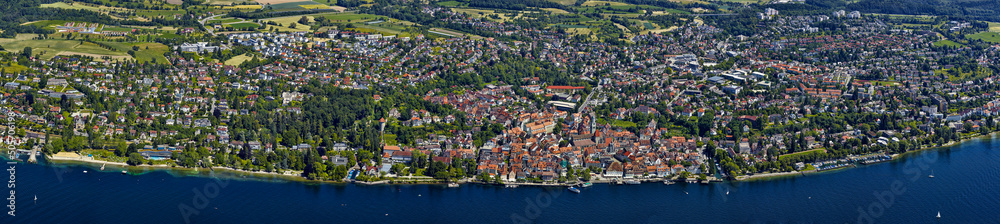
957,9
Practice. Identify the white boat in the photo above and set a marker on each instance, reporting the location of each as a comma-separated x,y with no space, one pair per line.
452,184
727,192
124,172
586,185
36,199
573,189
632,182
84,171
932,174
939,215
668,182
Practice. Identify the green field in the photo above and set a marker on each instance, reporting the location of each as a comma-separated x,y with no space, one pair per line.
947,43
326,2
451,4
154,53
800,154
350,17
52,47
227,20
994,27
243,25
293,5
237,60
602,3
992,37
167,14
570,26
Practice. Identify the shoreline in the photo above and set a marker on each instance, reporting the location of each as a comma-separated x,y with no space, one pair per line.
198,172
292,176
895,157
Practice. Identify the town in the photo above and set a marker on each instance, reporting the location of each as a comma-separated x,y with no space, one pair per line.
483,99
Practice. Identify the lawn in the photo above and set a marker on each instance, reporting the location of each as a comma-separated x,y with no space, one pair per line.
451,4
947,43
237,60
622,124
801,154
991,37
994,27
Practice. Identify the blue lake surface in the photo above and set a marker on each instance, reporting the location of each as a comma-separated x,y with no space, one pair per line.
966,189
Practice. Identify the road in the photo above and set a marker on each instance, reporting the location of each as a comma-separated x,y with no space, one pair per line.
202,22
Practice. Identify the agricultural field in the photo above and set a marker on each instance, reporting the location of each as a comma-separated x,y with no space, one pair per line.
557,11
243,7
84,6
489,14
602,3
51,47
153,53
991,37
225,2
348,17
326,2
224,20
564,2
295,5
243,25
159,13
994,27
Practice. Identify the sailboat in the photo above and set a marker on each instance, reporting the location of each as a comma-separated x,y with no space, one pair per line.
939,215
727,192
36,199
932,174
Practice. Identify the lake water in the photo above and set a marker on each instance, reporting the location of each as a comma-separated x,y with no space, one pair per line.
965,190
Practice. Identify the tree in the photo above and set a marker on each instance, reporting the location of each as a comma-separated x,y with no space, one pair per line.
304,20
26,52
134,159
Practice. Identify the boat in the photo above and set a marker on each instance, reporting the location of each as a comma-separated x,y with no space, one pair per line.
727,192
932,174
511,186
36,199
102,165
632,182
685,192
586,185
452,184
84,171
668,182
124,172
573,189
939,215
